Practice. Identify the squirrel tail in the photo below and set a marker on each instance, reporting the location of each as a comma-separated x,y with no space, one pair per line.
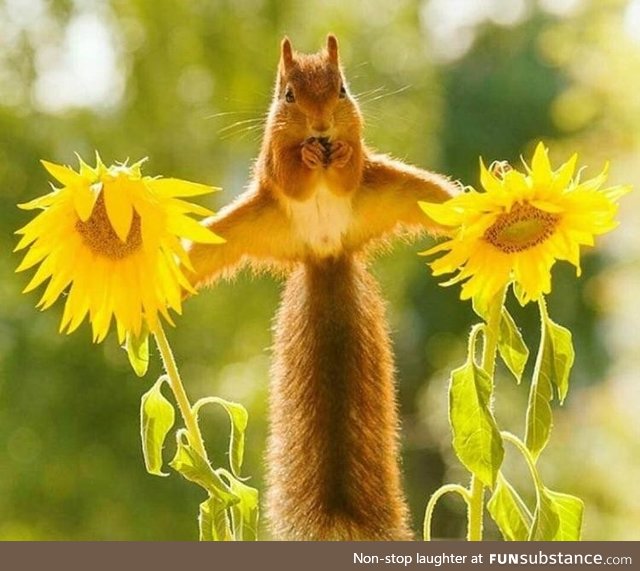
333,448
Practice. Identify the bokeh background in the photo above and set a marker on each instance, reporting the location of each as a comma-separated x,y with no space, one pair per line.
187,84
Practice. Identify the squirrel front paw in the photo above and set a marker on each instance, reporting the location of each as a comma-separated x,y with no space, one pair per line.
313,153
340,154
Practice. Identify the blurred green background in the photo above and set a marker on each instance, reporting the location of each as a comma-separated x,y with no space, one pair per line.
187,83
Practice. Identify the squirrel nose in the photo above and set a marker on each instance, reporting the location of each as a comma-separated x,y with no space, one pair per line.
320,127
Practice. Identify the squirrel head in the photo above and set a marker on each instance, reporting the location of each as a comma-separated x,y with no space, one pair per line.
311,97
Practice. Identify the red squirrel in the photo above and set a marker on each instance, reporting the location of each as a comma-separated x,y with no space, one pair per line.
317,199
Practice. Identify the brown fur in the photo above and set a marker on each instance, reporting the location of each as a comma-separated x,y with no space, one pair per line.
333,459
333,447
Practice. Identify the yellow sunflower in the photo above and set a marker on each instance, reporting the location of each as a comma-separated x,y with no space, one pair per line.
112,238
520,225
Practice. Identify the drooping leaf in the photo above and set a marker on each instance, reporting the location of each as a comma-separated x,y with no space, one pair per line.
511,346
558,517
137,348
553,365
476,438
570,510
193,467
509,511
239,417
213,520
480,307
245,513
520,294
539,418
561,354
156,420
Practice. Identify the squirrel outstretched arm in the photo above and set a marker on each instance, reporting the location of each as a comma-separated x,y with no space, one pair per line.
318,197
256,231
259,231
387,202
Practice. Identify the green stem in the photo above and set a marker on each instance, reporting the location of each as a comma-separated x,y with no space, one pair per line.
531,464
428,514
475,512
175,382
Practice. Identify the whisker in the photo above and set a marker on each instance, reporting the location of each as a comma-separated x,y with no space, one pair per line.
241,133
246,122
368,92
230,113
366,100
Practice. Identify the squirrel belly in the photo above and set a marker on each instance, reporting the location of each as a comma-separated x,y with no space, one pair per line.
321,221
333,448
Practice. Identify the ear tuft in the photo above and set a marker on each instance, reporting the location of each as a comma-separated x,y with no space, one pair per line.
286,53
332,48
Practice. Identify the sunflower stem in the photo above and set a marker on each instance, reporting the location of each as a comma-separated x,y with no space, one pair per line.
175,382
475,504
526,454
428,514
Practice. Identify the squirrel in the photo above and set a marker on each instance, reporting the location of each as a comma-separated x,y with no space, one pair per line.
317,200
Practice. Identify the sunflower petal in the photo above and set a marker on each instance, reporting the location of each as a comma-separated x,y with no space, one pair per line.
34,256
42,201
614,193
540,165
443,213
65,175
174,187
562,177
119,207
84,199
184,207
489,182
190,229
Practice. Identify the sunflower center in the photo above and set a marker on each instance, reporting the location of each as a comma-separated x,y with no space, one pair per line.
98,233
524,227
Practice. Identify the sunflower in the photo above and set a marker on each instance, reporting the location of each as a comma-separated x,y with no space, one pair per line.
523,222
111,237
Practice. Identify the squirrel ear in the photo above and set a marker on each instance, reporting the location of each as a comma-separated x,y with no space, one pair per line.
286,53
332,48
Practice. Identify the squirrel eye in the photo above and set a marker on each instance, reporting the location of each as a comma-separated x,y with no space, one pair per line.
343,91
288,96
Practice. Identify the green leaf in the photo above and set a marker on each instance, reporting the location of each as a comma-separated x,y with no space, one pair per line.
245,513
553,365
213,520
511,346
156,419
509,511
480,307
570,510
476,438
239,417
558,517
193,467
137,348
520,294
539,418
561,354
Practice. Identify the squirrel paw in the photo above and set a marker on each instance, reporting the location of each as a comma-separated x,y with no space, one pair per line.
313,153
341,153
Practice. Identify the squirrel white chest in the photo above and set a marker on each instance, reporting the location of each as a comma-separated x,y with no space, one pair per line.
322,220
